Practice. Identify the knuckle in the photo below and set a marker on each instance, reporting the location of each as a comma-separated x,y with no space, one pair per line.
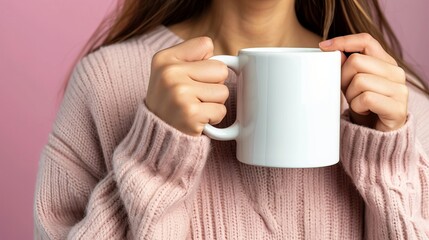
366,37
359,81
180,91
358,84
354,59
190,111
224,90
348,96
198,129
367,99
159,59
206,43
222,110
219,114
169,74
222,70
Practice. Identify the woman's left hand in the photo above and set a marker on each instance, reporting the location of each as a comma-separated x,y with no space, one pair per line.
372,82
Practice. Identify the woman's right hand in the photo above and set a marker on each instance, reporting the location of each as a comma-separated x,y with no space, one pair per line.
187,90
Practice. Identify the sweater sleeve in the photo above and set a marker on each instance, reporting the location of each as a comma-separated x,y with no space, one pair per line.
155,168
391,172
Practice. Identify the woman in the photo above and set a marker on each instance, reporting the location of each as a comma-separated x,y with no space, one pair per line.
126,157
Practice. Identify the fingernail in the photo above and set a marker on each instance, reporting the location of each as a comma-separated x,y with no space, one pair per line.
325,43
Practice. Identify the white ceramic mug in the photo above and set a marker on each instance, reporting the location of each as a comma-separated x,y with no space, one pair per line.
288,107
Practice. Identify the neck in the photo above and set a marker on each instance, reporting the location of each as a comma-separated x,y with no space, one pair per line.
237,24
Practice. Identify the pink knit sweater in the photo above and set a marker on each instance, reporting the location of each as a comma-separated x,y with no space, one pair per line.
114,170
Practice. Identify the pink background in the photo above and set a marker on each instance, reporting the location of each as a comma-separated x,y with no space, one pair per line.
40,39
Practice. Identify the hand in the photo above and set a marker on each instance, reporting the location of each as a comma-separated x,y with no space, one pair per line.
185,89
372,82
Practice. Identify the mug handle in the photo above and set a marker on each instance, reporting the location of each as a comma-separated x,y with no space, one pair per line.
231,132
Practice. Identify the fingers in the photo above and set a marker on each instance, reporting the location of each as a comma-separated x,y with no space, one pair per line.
208,71
203,92
359,63
363,82
212,113
193,116
209,92
360,43
372,81
388,109
186,89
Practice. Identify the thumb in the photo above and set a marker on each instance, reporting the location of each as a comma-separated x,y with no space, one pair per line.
324,48
195,49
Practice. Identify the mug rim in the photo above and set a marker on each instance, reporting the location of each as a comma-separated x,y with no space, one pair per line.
277,50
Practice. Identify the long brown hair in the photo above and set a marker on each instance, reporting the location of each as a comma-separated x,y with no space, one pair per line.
327,18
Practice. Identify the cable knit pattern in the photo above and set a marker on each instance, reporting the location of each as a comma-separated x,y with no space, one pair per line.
391,174
113,170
